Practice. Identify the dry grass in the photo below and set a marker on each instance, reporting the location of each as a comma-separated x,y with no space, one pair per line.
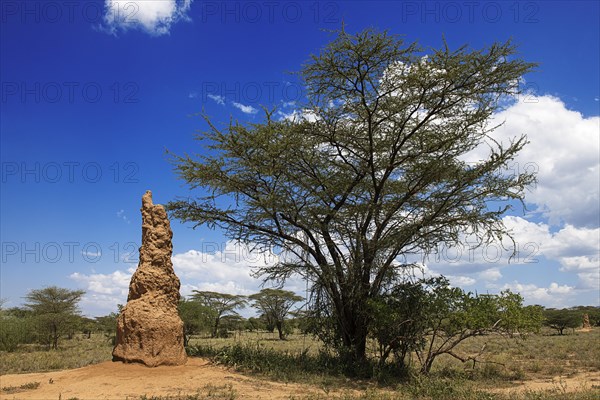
20,388
74,353
545,355
534,357
293,343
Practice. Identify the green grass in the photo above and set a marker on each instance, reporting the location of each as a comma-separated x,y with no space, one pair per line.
505,361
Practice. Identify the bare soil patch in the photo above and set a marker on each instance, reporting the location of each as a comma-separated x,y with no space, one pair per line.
116,380
563,384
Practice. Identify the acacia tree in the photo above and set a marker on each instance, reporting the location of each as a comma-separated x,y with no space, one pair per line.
275,304
55,310
196,318
220,305
562,319
372,169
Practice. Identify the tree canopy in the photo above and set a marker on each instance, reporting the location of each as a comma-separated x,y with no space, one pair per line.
55,310
372,169
562,319
220,305
275,304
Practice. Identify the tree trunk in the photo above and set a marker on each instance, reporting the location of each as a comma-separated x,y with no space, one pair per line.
279,325
54,337
354,327
216,328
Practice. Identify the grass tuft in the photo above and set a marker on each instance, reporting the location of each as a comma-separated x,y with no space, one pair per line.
208,392
22,388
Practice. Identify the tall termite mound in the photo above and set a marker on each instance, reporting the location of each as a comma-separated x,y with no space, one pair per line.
149,329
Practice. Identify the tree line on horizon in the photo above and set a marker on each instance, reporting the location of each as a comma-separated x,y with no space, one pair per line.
426,317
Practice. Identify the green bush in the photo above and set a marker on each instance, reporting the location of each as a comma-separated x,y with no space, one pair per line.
15,331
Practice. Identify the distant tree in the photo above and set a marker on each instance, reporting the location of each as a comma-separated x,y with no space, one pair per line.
221,304
254,324
55,310
372,169
17,312
302,320
196,318
562,319
593,313
86,325
275,304
16,327
107,324
229,323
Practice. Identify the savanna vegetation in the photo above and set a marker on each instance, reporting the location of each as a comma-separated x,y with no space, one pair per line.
432,341
372,171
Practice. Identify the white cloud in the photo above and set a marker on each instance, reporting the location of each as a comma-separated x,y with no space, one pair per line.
297,115
244,108
554,295
576,249
564,149
218,99
490,275
224,268
461,281
103,291
152,16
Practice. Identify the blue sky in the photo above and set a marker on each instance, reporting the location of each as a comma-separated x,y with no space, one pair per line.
94,92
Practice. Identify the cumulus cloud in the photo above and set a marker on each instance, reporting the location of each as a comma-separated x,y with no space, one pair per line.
576,249
490,275
103,291
563,149
220,267
461,281
554,295
152,16
244,108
